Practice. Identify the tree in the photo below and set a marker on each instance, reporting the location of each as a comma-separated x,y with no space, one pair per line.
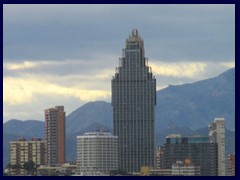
118,172
16,166
30,167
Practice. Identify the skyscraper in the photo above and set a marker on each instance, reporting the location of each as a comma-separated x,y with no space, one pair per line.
134,101
217,135
55,135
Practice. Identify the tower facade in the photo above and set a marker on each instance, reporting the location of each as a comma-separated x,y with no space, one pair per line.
134,101
217,135
55,135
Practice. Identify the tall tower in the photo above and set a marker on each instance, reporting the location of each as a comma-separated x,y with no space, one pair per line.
217,135
55,135
134,101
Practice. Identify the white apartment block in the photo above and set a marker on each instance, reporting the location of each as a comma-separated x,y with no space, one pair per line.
97,153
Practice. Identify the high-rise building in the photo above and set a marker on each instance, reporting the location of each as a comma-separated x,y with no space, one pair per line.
199,149
159,153
55,135
23,151
134,101
97,153
230,165
217,135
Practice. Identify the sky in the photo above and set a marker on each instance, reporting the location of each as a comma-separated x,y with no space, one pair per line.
67,54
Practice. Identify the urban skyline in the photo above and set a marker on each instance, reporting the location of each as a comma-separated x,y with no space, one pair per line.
38,53
60,77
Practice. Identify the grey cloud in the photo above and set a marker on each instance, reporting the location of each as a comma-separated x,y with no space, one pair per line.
171,32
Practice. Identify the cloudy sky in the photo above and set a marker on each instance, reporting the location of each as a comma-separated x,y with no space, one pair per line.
67,54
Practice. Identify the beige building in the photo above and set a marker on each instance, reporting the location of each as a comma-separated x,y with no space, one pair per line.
97,153
180,168
230,165
55,135
64,169
185,168
159,153
22,151
217,135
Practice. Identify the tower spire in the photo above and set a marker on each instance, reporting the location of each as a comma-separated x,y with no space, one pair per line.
134,32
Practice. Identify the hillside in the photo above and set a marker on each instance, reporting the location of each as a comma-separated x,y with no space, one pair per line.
195,105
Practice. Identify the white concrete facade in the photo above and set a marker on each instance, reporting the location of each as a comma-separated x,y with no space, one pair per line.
97,153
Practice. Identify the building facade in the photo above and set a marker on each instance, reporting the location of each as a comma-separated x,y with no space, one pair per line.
185,168
22,151
97,153
159,153
63,170
134,101
55,135
230,165
217,135
199,149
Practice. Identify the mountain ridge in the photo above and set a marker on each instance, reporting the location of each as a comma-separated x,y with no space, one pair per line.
181,108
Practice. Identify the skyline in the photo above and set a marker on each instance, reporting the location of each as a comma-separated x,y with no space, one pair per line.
66,54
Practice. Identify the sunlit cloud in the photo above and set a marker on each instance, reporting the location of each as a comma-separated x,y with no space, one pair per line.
22,91
228,64
34,64
18,66
159,87
181,69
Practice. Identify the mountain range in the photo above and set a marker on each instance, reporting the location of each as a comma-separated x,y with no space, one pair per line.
186,109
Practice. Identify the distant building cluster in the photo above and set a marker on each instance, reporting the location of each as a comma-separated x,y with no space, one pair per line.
131,149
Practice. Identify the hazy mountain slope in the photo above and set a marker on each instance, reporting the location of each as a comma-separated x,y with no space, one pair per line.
195,105
81,118
33,128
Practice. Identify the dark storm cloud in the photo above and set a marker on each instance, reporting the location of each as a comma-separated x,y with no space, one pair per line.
171,32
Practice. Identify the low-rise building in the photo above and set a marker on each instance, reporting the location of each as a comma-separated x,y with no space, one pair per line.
60,170
185,168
